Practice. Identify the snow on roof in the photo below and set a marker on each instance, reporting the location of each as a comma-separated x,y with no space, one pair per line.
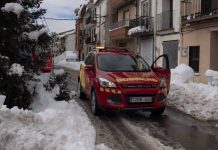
137,30
82,6
34,35
13,7
16,69
66,33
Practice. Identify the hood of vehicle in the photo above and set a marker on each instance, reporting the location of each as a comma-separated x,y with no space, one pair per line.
131,77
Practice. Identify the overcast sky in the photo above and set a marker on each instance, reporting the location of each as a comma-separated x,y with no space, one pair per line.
61,9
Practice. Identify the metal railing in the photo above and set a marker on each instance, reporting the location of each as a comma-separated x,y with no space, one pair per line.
143,21
165,20
119,24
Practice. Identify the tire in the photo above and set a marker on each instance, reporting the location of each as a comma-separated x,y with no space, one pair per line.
158,112
94,104
81,94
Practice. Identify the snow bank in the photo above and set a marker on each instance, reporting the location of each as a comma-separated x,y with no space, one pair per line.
59,58
61,61
71,56
181,74
13,7
196,99
138,29
2,99
51,124
70,65
58,72
34,35
16,69
212,77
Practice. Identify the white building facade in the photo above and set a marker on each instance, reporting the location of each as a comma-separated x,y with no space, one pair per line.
168,29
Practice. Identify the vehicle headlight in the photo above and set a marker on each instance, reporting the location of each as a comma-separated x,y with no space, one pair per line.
105,83
163,83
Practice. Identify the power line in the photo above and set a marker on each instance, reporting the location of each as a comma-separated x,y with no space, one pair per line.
59,19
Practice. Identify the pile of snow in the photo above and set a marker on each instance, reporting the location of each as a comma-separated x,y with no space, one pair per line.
196,99
34,35
13,7
181,74
2,99
212,77
51,124
138,29
71,56
61,61
58,72
59,58
16,69
70,65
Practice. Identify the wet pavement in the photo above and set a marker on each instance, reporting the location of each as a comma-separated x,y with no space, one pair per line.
174,128
177,130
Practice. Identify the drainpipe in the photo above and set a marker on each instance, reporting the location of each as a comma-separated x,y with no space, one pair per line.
155,32
138,41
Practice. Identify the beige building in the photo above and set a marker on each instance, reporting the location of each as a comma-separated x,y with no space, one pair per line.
199,37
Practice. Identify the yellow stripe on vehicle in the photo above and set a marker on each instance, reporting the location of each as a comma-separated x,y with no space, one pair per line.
114,91
102,89
137,79
107,90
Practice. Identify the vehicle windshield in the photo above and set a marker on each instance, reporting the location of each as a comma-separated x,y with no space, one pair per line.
122,63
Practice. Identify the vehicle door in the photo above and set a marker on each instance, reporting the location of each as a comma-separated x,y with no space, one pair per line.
89,72
161,68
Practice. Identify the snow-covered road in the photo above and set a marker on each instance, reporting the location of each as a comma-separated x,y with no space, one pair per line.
173,130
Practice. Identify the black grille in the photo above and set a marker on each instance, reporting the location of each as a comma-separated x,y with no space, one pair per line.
115,99
139,85
128,97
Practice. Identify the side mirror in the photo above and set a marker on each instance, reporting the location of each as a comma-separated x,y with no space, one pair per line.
89,67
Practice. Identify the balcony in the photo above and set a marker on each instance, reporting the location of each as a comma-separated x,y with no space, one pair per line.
141,26
88,20
119,30
165,20
118,3
207,11
88,40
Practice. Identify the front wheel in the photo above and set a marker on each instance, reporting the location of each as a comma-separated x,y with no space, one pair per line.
158,112
94,104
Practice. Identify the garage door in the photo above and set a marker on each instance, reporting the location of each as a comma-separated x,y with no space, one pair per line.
147,50
171,49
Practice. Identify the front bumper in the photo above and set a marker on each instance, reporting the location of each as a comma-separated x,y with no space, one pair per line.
119,99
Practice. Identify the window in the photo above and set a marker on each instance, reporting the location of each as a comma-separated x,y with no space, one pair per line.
122,44
145,8
206,7
127,63
194,55
126,15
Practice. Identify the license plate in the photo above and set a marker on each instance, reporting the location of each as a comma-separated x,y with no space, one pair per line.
140,99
